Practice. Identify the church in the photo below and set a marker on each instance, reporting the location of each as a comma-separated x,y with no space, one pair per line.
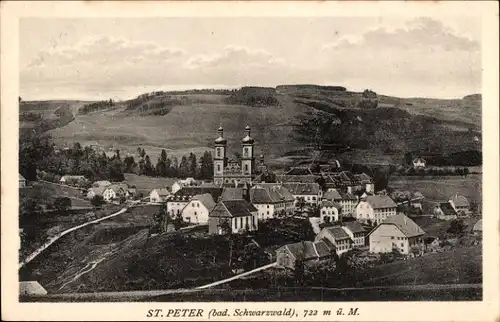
233,171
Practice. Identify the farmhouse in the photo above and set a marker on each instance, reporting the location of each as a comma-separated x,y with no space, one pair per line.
330,211
72,180
337,236
311,193
158,195
101,183
444,211
115,191
306,251
232,216
271,200
459,203
398,233
419,163
375,209
95,191
356,232
22,181
198,209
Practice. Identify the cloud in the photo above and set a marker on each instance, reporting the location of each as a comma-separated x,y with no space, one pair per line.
418,33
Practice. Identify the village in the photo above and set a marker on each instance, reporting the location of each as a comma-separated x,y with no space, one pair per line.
306,216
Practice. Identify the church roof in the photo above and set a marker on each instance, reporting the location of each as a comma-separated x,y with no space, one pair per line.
247,139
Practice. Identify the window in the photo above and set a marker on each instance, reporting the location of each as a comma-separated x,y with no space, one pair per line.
218,167
402,245
323,212
267,206
246,151
314,198
218,152
392,237
195,213
246,167
268,212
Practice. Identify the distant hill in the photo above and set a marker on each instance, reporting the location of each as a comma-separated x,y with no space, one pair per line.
475,97
188,120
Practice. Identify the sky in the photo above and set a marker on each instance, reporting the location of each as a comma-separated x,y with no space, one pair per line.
102,58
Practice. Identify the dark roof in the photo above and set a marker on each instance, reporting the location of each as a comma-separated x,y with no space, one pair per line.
303,188
304,250
232,193
269,193
216,192
337,232
232,208
447,209
297,178
323,249
354,226
332,195
364,178
348,196
329,203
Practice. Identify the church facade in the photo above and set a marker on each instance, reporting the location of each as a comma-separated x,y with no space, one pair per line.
232,171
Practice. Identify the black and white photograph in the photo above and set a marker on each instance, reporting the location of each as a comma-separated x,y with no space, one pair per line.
251,159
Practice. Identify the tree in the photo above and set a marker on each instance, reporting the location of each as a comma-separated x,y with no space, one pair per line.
97,201
129,164
143,153
62,204
408,160
456,227
175,167
300,203
206,166
148,167
184,167
193,166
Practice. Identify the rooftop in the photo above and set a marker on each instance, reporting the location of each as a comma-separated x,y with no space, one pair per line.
380,201
407,226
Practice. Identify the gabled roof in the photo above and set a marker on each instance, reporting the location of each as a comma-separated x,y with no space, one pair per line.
447,209
329,203
162,192
116,187
380,201
332,195
304,250
459,201
348,196
101,183
323,249
206,199
363,178
407,226
97,190
21,177
232,208
72,177
297,178
337,232
418,160
232,193
31,288
354,227
303,188
269,193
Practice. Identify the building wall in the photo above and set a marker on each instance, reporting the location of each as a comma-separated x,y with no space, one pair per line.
195,212
22,183
386,237
109,194
309,199
238,224
365,212
266,211
358,238
330,212
174,207
284,258
341,245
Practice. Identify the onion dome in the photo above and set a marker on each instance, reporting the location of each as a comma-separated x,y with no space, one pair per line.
220,139
247,138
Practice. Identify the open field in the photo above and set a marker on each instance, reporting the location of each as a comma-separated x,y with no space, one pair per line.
45,193
145,184
458,266
435,227
441,188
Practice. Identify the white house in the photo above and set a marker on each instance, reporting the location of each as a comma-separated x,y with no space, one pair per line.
158,195
337,236
311,193
419,163
330,211
181,198
115,191
460,203
72,180
398,233
271,200
197,210
375,209
178,185
356,232
237,215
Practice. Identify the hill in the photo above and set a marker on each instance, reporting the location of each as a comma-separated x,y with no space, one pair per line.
188,119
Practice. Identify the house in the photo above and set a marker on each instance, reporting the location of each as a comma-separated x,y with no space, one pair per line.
272,200
478,228
159,195
356,232
95,191
115,191
311,193
198,209
365,181
330,211
416,200
306,251
444,211
72,180
375,209
348,203
337,236
181,198
101,183
331,195
398,233
22,181
31,288
235,215
459,203
418,163
178,185
432,244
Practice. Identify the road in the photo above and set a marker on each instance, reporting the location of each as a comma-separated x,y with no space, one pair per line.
258,269
65,232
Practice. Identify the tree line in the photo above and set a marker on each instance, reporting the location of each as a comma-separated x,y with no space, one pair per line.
87,108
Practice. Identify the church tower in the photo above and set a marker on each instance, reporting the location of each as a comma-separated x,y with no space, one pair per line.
220,156
247,158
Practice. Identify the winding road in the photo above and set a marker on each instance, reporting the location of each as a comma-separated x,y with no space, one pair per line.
61,234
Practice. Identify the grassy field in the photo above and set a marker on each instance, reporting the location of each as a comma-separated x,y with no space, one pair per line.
45,193
441,188
435,227
458,266
145,184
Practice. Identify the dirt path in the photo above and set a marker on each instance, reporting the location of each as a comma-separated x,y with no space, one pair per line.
258,269
59,235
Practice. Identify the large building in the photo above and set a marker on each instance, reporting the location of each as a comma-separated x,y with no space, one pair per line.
233,171
375,209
